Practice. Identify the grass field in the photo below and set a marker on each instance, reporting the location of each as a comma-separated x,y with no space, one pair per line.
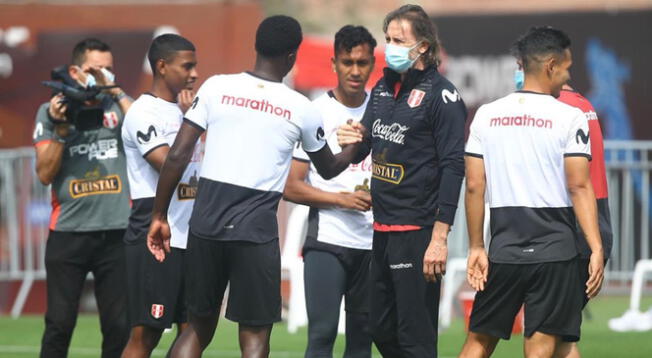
20,338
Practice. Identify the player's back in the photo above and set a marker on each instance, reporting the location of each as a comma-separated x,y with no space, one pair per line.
252,126
523,139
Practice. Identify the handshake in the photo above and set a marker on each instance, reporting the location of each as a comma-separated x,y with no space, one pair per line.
350,133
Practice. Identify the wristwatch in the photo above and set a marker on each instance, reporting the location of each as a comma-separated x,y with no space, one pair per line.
118,97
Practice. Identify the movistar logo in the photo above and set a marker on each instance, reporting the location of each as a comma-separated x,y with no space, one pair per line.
447,95
144,138
580,135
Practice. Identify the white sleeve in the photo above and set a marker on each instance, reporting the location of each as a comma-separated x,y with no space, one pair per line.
300,154
145,131
474,144
312,130
198,112
578,142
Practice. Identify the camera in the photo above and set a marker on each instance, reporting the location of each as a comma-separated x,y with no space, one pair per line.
80,114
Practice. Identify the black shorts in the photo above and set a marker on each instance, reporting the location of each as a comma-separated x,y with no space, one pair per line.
155,290
548,290
252,270
404,308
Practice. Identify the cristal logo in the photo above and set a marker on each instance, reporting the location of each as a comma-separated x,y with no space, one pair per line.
390,132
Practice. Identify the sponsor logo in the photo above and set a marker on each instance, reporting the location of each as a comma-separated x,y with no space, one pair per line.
394,132
94,184
447,95
229,227
188,191
157,311
591,116
580,135
363,187
101,150
257,105
320,133
384,94
401,266
528,250
38,130
416,96
110,120
194,102
381,170
520,121
364,166
144,138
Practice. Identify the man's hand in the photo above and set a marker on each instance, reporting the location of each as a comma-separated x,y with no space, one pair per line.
57,108
184,99
596,274
477,268
350,133
434,260
358,200
158,238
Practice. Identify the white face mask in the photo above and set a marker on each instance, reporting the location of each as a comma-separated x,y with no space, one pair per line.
90,79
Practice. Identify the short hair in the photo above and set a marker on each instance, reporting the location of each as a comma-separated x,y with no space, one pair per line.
538,42
278,35
351,36
164,47
422,27
90,44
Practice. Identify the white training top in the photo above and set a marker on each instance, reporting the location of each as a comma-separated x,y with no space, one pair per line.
150,123
252,125
341,227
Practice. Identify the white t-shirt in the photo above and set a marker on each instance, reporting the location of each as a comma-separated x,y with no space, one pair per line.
523,139
252,126
150,123
341,227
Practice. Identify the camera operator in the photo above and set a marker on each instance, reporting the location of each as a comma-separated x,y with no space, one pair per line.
90,203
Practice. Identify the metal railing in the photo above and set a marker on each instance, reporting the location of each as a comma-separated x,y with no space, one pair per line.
24,213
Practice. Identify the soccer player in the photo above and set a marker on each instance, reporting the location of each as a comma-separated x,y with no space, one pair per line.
531,153
416,121
252,122
337,250
599,181
156,290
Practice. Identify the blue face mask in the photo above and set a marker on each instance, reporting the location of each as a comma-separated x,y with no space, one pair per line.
519,79
398,57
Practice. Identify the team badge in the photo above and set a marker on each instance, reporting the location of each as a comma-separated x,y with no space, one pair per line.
110,120
416,96
158,311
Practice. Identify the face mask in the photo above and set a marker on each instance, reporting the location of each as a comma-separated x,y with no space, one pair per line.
108,75
90,79
519,79
398,57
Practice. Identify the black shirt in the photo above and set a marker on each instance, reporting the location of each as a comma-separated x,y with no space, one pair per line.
417,141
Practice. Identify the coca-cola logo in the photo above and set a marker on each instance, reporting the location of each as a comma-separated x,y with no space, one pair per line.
394,132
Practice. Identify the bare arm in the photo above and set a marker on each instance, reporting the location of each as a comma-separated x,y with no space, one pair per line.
50,153
300,192
156,157
478,263
178,157
581,193
329,165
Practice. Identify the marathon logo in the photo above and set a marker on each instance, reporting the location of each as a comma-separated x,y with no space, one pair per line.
520,121
257,105
105,185
401,266
391,173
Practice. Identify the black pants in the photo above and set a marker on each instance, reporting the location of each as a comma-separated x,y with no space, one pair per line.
327,279
404,307
69,256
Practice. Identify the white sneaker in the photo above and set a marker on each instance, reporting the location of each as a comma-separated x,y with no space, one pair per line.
631,320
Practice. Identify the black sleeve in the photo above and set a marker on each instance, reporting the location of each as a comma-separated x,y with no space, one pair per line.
367,121
448,124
